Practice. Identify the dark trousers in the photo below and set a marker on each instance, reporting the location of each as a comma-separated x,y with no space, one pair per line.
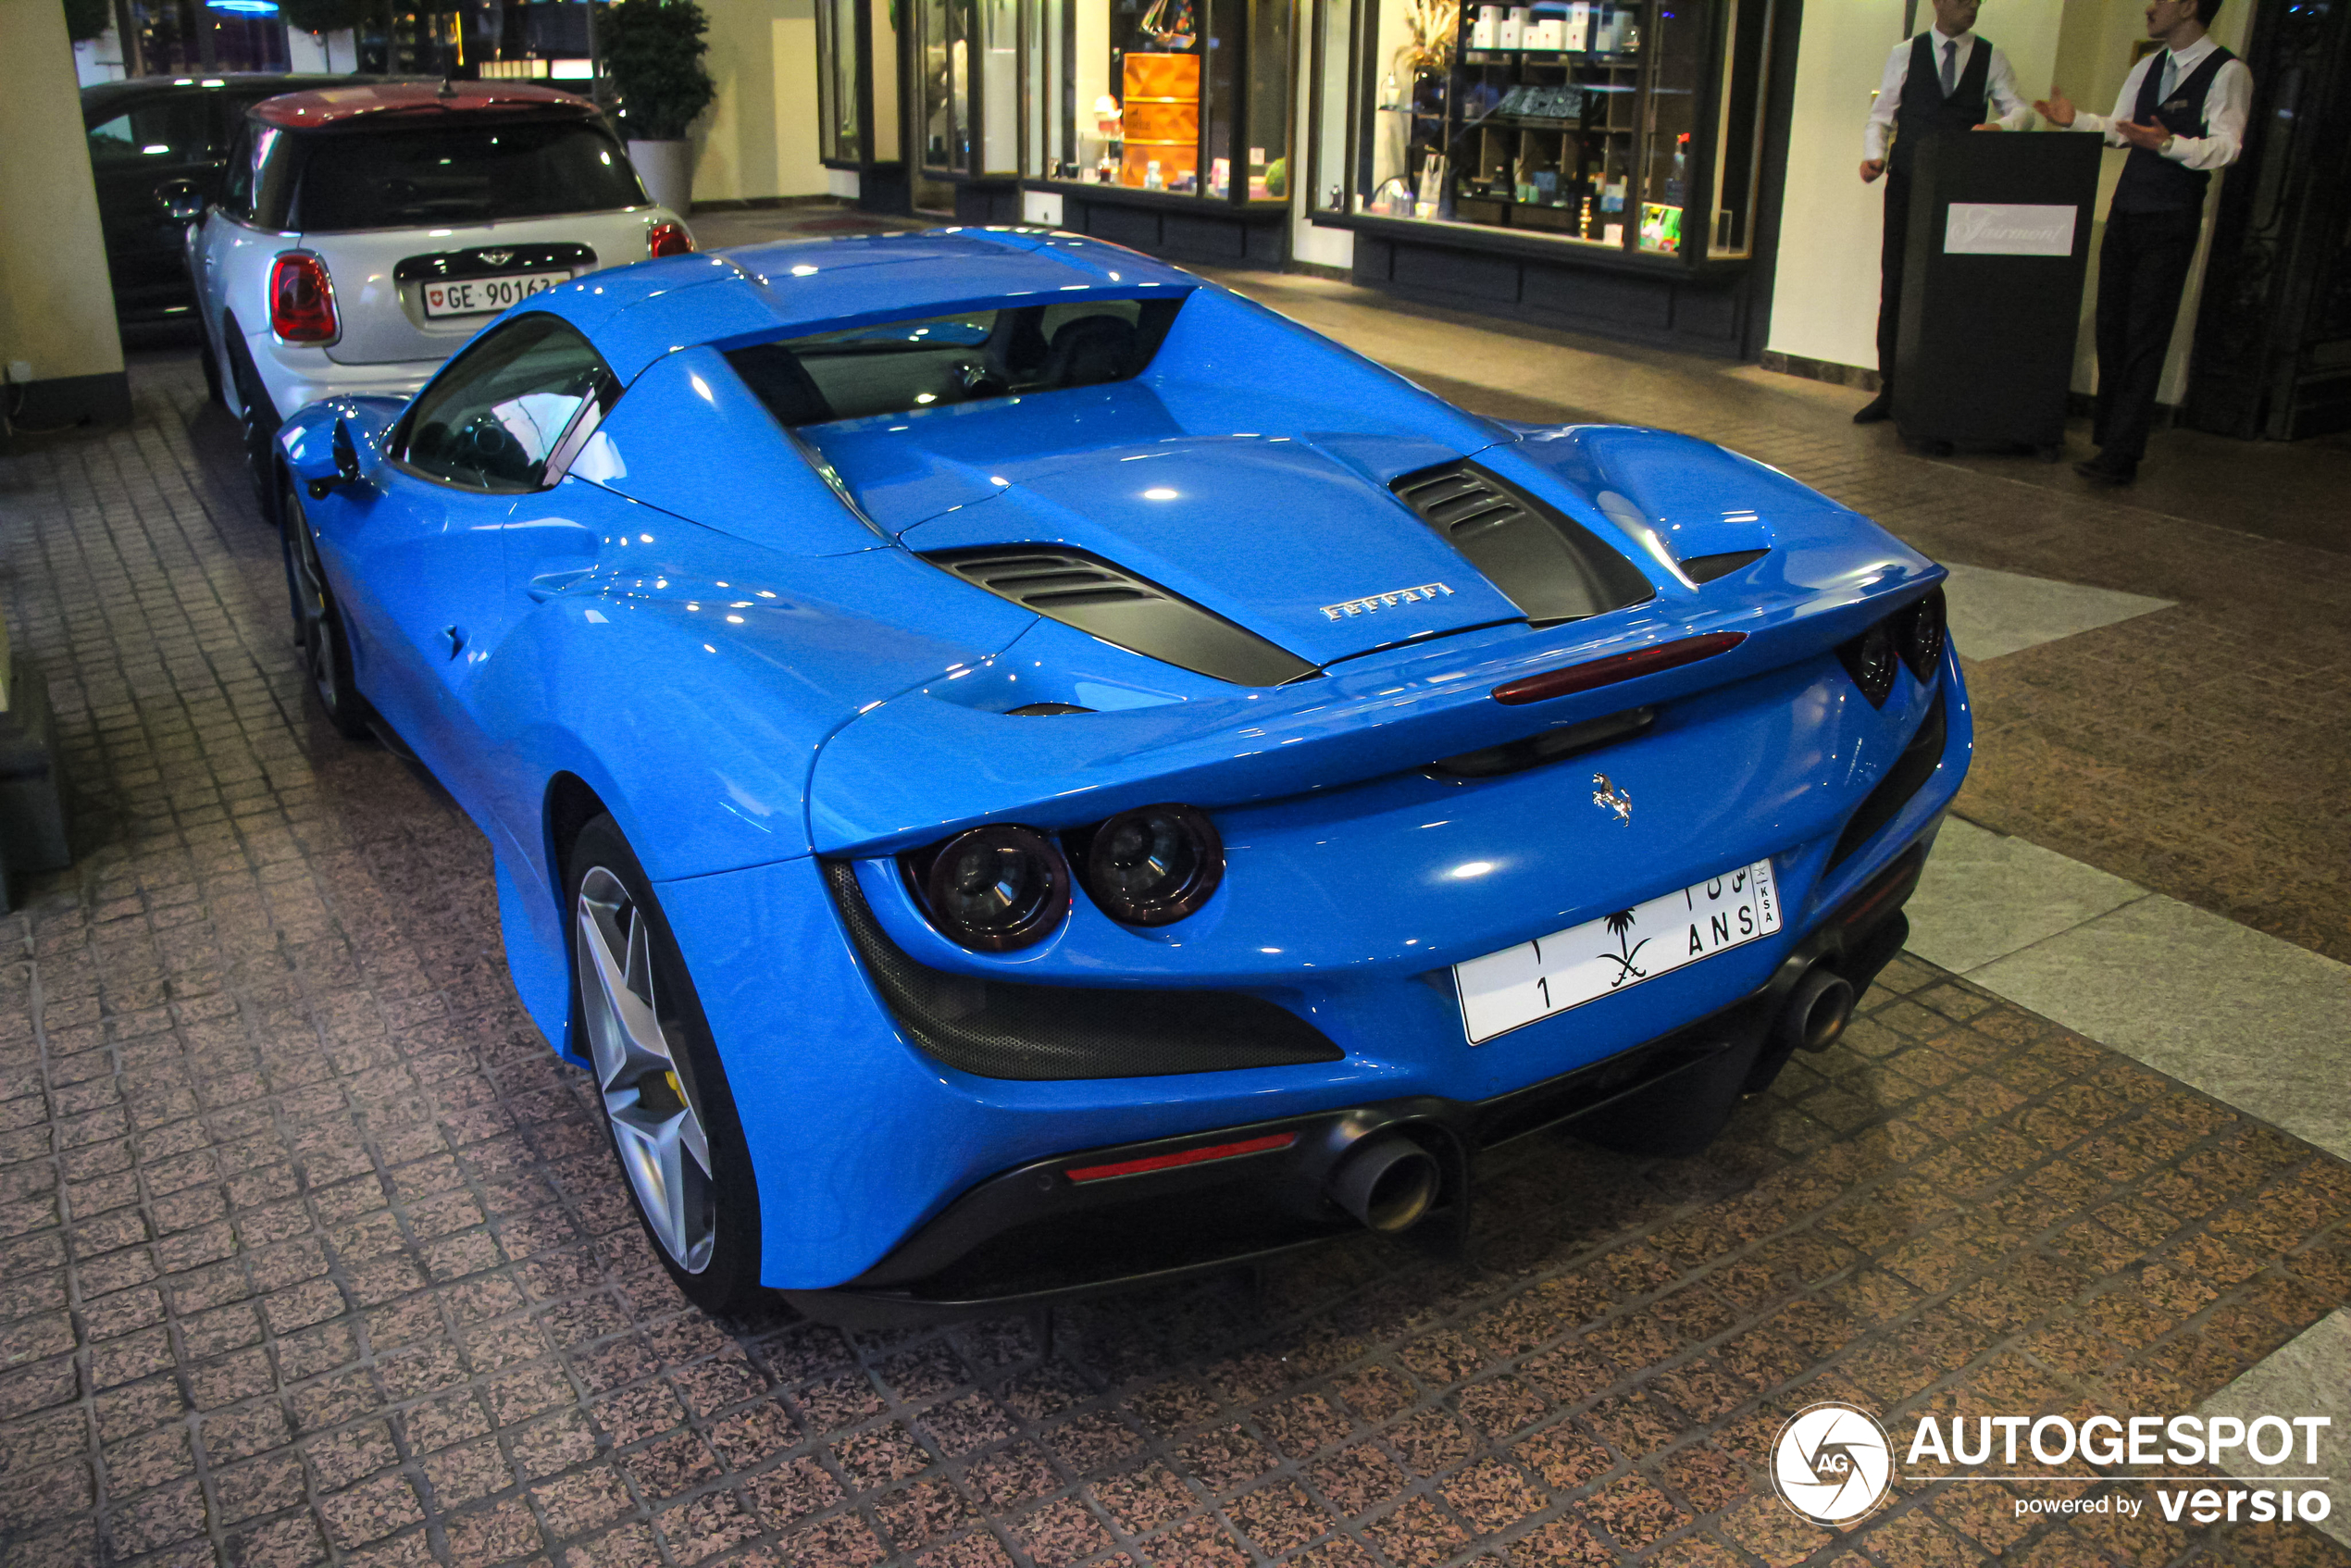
1889,270
2142,267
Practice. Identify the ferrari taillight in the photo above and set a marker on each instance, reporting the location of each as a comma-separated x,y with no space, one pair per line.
1912,635
667,238
301,300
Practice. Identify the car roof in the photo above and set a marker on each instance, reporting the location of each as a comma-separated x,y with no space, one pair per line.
341,106
754,293
235,83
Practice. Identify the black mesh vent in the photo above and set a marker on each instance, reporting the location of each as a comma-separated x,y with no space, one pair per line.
1706,569
997,1030
1091,594
1913,768
1546,564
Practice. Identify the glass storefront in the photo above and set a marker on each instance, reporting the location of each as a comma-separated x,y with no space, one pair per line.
841,136
1617,125
968,65
1185,97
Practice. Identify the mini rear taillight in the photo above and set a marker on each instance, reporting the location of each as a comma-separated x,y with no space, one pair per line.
668,239
301,300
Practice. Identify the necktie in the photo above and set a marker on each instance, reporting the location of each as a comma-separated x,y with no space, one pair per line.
2170,75
1950,66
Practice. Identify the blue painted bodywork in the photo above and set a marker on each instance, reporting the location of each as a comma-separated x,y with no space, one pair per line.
725,632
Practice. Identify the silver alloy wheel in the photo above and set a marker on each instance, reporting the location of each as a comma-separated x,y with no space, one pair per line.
663,1146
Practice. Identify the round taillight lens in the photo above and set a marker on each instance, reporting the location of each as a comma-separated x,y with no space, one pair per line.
1154,865
996,889
1871,660
301,300
1921,630
668,239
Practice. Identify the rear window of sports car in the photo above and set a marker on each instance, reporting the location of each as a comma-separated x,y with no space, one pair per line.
899,367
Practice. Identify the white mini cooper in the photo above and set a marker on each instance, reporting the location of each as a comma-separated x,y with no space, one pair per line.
364,233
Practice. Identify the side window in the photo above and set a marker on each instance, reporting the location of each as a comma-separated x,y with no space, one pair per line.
165,131
236,191
495,417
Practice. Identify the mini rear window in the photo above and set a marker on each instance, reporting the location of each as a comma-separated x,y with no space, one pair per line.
899,367
445,175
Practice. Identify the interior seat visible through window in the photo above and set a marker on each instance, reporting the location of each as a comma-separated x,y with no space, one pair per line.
494,417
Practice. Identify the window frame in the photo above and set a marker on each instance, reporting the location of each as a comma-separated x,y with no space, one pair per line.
562,452
1346,160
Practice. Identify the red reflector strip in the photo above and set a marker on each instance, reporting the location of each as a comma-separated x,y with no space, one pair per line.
1188,1157
1620,667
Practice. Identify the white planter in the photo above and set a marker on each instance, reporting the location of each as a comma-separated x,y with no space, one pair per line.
668,170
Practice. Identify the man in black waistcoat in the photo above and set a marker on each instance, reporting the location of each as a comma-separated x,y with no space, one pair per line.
1946,79
2181,112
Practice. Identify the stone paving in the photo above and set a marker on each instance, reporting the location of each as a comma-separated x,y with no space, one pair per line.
313,1253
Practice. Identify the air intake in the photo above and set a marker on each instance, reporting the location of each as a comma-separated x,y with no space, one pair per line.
1546,564
1095,597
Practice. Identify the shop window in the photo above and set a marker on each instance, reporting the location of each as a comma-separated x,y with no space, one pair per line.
1591,122
841,136
969,62
1180,97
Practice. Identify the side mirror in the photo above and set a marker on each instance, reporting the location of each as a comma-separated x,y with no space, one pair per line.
181,200
346,456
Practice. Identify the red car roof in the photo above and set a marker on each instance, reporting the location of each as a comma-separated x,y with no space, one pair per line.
337,106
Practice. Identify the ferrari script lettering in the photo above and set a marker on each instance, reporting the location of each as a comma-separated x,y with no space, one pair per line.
1370,603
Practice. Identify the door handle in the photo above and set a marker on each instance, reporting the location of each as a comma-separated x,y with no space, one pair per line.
546,585
456,636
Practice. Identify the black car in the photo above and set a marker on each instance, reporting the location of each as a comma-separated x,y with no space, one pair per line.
154,139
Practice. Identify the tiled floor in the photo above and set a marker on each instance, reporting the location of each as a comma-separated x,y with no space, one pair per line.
313,1253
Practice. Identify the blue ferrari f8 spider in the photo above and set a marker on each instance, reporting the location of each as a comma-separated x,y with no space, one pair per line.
1018,770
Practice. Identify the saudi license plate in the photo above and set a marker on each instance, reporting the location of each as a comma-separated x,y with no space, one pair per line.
1519,985
479,296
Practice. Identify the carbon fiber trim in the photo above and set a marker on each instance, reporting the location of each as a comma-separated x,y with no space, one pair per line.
992,1029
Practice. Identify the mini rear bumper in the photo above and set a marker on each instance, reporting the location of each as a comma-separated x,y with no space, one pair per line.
1102,1218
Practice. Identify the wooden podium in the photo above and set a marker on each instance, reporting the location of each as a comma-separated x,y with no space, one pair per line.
1999,244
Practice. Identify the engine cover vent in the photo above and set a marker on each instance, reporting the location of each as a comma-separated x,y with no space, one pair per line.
1543,561
1082,590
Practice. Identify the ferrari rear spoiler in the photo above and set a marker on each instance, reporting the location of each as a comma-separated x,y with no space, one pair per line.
1358,721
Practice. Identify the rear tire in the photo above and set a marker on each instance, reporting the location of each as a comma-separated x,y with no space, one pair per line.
211,363
258,421
668,1107
326,651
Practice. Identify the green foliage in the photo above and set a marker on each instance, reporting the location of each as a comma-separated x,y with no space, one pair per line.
328,16
86,19
653,53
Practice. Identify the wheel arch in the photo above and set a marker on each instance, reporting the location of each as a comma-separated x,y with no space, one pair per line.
571,804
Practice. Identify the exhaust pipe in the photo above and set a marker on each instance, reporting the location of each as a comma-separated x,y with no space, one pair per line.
1388,1182
1817,1010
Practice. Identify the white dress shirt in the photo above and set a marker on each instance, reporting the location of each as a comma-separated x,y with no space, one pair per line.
2225,108
2009,110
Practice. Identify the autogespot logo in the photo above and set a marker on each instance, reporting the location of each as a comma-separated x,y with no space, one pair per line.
1832,1462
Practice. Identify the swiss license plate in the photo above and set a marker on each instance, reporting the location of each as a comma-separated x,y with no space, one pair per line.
1519,985
479,296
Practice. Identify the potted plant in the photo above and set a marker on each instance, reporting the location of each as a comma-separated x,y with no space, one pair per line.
653,53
